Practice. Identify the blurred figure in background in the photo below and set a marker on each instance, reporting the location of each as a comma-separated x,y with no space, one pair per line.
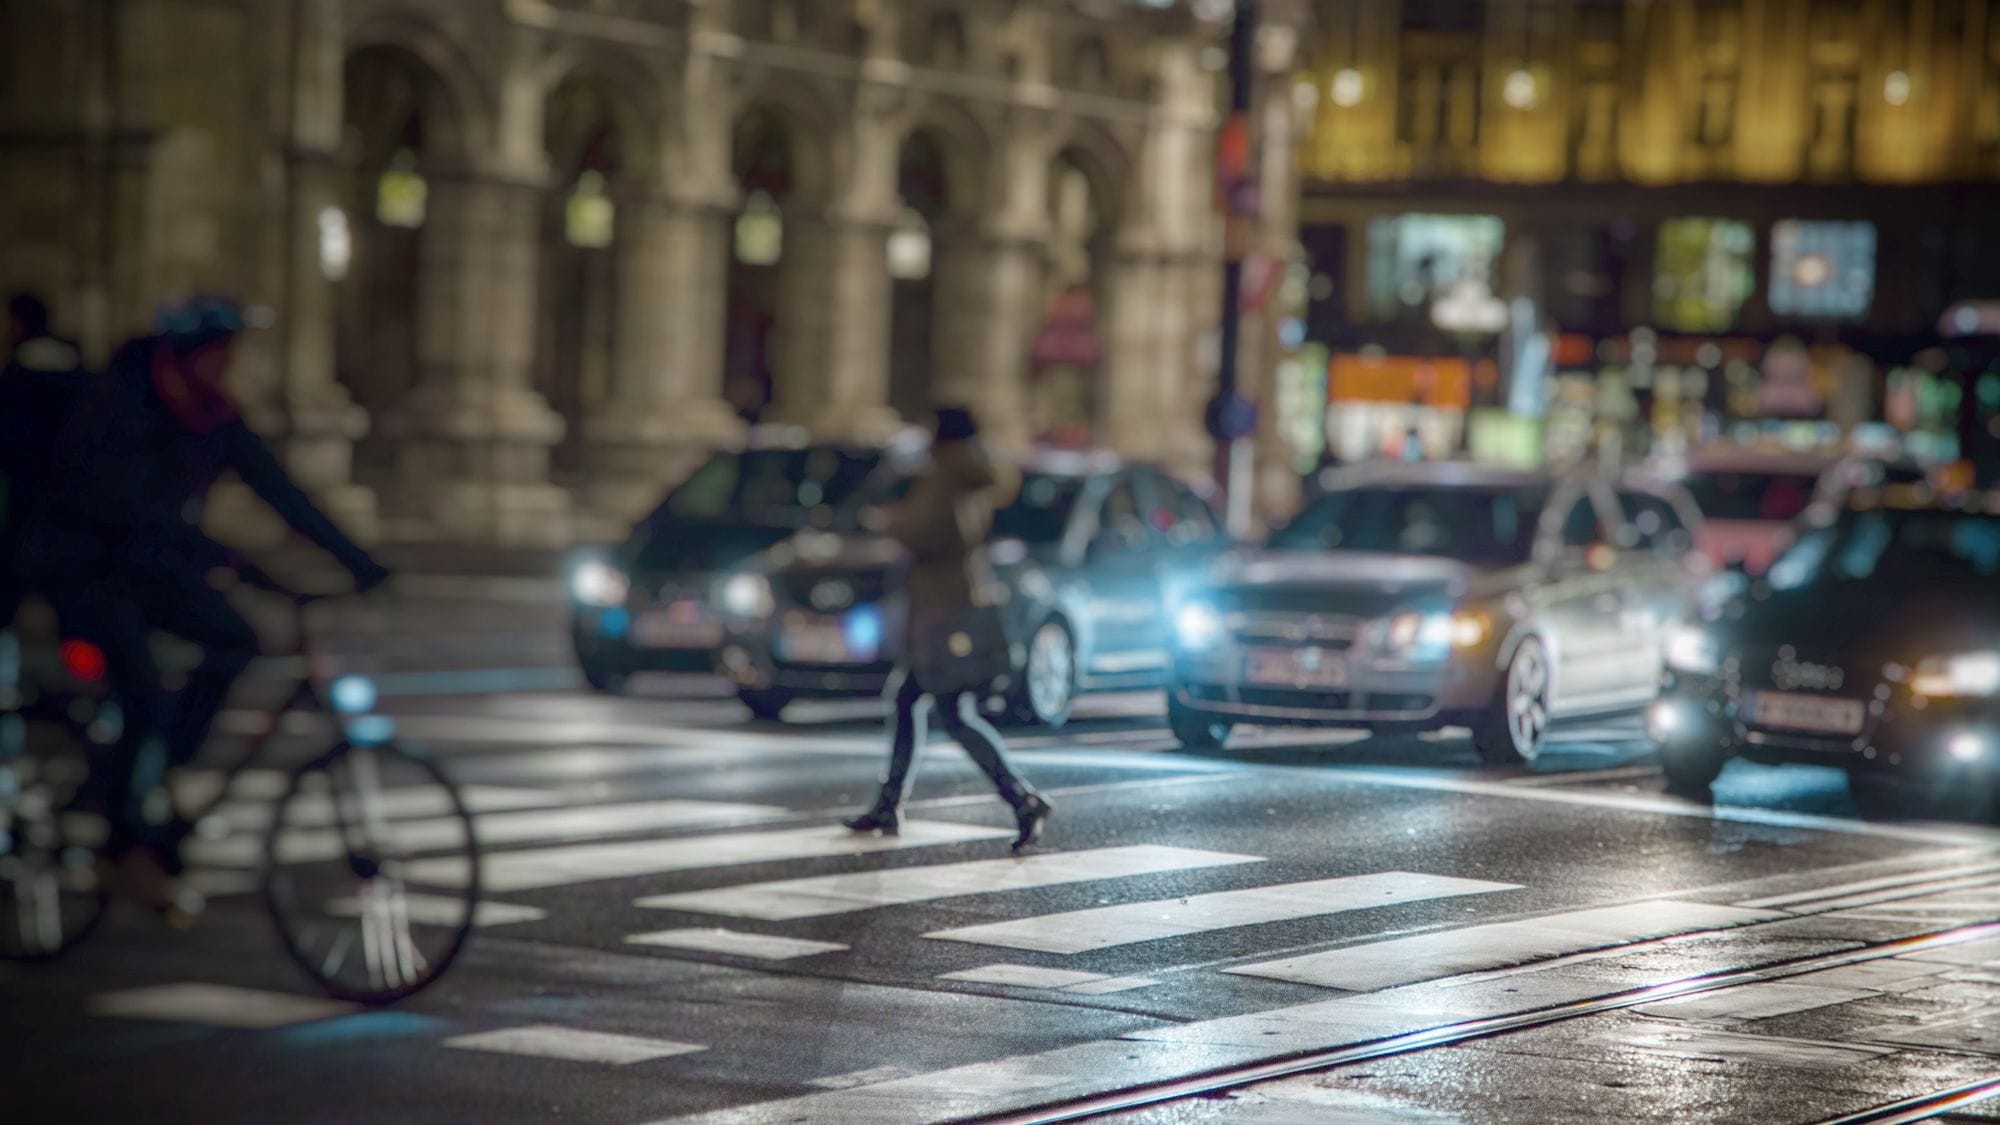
42,373
944,525
113,545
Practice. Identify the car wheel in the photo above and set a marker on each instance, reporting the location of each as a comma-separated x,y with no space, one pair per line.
1511,730
1047,689
1691,767
765,705
1194,730
604,679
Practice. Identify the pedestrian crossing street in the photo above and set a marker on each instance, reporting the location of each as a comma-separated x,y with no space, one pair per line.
1372,969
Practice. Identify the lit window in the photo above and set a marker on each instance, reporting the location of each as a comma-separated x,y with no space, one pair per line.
590,217
336,244
760,231
1704,273
910,247
1822,270
1415,259
401,193
1519,90
1348,87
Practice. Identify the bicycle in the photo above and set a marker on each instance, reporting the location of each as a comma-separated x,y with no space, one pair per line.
354,826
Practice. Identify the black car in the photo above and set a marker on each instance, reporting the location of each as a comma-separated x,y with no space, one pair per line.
651,603
1872,644
1086,551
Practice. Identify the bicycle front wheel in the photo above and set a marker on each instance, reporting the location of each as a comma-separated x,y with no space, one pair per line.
51,839
372,872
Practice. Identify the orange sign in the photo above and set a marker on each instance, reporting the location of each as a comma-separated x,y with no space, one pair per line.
1442,383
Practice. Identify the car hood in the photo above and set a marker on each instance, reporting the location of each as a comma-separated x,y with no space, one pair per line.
1363,583
690,547
1900,623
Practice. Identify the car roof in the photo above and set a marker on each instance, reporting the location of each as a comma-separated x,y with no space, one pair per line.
1922,498
1738,460
1440,474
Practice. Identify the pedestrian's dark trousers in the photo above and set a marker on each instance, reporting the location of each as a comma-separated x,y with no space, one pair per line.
959,715
162,728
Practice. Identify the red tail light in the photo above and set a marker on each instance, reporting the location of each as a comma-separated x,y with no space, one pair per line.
84,660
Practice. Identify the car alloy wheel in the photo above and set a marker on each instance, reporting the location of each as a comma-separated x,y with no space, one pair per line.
1511,731
1049,679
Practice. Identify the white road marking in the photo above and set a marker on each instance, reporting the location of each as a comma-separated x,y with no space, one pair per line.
1973,954
1363,968
1103,927
521,826
1737,1047
215,1005
840,894
1024,976
537,868
763,947
868,1077
444,910
1586,777
1756,1001
549,1041
1977,1032
315,810
1109,985
1838,891
1890,974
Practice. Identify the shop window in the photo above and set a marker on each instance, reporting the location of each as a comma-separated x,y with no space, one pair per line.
1415,259
1822,270
1704,273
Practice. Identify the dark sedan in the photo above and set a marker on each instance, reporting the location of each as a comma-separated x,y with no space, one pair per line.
1085,551
1416,597
1872,644
653,602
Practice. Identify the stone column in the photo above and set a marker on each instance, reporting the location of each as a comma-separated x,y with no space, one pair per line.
989,306
833,327
473,436
665,409
1128,403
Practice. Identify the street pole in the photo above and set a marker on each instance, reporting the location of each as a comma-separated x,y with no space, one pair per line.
1231,419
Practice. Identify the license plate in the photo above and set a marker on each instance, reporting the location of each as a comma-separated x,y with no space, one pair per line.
828,640
1812,713
684,624
1296,668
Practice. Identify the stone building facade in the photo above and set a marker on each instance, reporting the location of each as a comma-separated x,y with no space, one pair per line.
525,257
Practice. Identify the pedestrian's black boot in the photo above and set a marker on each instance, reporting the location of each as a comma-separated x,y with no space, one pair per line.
1031,811
885,817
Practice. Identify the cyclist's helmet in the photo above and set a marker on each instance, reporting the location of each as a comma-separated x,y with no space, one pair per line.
199,320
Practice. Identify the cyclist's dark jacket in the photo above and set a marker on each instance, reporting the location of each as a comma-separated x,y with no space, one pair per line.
41,378
131,474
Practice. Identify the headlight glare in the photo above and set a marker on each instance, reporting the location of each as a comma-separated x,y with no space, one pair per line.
1694,649
1197,626
1432,635
747,595
597,583
1962,674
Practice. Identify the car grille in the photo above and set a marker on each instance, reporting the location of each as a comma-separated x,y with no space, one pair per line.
656,589
1327,701
863,587
1328,631
1808,672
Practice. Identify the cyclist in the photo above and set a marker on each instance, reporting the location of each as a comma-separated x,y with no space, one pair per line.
115,547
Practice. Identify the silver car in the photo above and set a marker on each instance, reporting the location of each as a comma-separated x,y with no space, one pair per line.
1412,597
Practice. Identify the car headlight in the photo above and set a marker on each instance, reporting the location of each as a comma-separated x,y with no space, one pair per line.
1694,649
1961,674
746,595
1197,626
1432,635
597,583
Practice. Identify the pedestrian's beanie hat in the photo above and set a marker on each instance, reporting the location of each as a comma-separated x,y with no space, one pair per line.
955,423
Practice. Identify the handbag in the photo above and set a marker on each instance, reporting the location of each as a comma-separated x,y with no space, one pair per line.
965,652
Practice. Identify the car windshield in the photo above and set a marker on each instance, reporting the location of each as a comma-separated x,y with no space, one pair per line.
1760,495
1488,526
1039,514
770,487
1894,548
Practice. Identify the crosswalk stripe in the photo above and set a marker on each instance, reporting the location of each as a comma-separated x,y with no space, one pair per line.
536,868
762,947
1102,927
1362,968
1755,1001
215,1005
1056,980
444,910
840,894
521,826
549,1041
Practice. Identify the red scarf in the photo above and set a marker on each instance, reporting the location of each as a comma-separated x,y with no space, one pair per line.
198,406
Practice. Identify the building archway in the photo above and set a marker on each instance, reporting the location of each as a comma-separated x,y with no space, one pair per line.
923,187
768,180
402,127
1067,359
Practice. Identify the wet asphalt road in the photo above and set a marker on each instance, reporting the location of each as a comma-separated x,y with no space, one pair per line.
1302,891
